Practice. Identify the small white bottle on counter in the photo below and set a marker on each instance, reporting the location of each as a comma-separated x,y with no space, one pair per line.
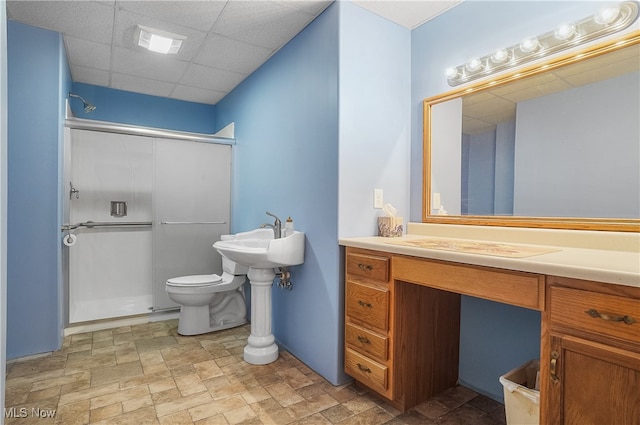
288,227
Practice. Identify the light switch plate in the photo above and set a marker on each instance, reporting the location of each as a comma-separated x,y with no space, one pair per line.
377,198
436,201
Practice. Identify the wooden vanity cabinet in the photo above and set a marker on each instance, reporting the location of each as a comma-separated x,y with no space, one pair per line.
592,354
368,356
401,339
402,327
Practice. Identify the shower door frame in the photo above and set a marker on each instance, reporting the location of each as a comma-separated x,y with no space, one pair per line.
72,123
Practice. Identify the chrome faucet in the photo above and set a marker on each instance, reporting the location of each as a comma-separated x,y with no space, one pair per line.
276,226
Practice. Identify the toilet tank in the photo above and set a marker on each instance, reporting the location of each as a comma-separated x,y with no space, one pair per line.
232,267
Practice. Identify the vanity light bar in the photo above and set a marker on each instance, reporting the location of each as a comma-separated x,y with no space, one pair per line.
608,20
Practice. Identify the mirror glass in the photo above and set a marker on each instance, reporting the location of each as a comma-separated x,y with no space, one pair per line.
557,147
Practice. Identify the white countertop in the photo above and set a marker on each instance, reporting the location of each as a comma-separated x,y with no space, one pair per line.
608,257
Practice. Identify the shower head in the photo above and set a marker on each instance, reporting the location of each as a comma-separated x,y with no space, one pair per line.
88,107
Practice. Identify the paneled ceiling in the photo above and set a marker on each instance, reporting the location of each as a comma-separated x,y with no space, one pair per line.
226,40
484,110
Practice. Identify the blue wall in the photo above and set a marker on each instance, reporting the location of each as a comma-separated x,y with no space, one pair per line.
479,173
472,28
375,118
286,162
39,82
139,109
576,122
3,198
309,109
490,332
37,74
289,135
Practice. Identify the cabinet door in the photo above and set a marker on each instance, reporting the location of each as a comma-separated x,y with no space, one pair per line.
592,383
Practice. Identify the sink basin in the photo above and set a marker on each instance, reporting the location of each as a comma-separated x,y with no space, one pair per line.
258,249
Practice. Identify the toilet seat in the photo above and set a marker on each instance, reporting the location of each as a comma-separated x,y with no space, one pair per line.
195,280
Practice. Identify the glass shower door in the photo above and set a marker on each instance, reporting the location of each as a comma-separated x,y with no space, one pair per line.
110,266
192,204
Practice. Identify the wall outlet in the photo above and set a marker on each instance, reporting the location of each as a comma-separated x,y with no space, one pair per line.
377,198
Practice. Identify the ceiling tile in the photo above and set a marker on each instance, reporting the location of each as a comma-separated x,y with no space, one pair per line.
474,98
312,7
144,64
265,24
211,78
484,104
141,85
89,20
87,53
475,126
602,73
199,15
611,65
193,94
500,115
231,55
524,84
537,90
98,36
408,13
482,109
83,74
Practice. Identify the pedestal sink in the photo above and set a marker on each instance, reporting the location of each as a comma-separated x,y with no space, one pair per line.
259,251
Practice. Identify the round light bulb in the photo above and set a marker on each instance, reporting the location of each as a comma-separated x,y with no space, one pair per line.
499,56
451,73
474,65
530,44
607,15
565,31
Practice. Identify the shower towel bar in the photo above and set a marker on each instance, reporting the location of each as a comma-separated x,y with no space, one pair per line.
92,224
193,222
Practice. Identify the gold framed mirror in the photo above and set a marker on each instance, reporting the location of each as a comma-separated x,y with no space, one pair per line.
552,145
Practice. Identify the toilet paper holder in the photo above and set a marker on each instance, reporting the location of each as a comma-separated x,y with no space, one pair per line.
118,208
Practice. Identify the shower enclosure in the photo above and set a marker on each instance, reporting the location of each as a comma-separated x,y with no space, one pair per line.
142,208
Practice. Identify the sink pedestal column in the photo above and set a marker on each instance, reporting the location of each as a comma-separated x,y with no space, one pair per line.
261,347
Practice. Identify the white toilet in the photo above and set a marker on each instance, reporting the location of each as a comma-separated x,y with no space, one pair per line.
210,302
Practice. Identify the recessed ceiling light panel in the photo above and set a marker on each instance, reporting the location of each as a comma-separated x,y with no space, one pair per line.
158,41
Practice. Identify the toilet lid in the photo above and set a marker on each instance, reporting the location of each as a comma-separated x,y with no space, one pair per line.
195,280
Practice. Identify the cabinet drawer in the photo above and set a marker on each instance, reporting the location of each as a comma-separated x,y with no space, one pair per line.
504,286
365,370
368,305
369,266
609,315
366,342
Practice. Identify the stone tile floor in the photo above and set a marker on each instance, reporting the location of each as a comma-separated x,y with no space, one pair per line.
148,374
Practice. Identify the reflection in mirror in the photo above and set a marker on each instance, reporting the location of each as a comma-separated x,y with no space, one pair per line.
561,145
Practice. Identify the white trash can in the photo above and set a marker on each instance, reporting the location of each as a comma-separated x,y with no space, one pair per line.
522,394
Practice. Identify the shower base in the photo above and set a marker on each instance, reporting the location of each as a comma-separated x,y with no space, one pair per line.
84,311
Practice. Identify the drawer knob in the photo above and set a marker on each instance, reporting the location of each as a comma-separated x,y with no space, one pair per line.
363,368
365,304
609,317
363,339
367,267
